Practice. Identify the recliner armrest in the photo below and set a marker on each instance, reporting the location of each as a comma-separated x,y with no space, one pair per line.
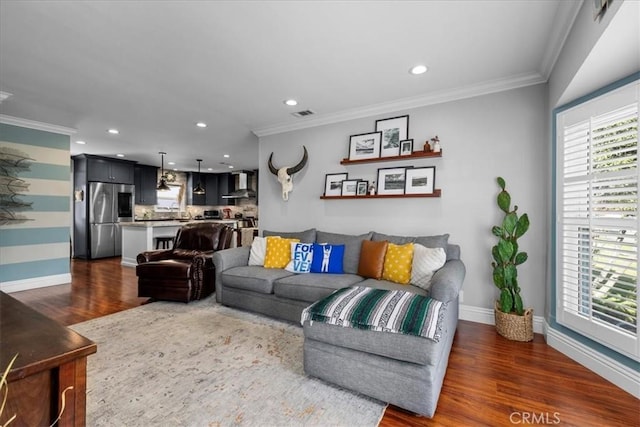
149,256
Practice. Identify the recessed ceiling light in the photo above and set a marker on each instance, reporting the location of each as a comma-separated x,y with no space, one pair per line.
201,124
291,102
209,169
226,156
113,131
80,142
175,169
230,166
418,69
119,155
171,163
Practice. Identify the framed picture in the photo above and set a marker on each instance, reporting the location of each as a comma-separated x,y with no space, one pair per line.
365,146
362,188
333,183
349,187
406,147
393,130
391,180
420,180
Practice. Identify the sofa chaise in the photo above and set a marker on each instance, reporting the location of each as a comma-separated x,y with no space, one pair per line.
404,370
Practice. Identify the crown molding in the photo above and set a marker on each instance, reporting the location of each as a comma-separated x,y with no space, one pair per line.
563,22
31,124
485,88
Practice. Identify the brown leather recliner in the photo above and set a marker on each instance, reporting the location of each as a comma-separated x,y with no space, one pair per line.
185,272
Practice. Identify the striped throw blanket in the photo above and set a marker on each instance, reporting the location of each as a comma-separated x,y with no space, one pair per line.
379,310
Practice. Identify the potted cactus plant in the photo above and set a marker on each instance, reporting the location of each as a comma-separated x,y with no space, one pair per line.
513,321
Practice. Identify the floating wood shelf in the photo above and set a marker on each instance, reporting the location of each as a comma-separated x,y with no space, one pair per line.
414,155
436,193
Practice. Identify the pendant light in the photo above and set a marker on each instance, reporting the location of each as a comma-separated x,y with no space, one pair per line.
162,184
198,189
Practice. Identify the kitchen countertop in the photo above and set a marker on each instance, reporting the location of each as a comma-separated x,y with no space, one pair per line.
174,222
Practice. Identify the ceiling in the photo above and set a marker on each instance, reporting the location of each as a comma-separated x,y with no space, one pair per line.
152,69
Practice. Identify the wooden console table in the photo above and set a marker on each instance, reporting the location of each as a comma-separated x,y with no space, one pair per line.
51,358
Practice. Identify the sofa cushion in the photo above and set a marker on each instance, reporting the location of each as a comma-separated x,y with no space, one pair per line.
426,261
327,259
397,263
439,241
372,258
306,236
278,252
253,278
352,247
301,257
313,286
391,286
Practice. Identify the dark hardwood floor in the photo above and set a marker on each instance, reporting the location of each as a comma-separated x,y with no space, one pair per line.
490,381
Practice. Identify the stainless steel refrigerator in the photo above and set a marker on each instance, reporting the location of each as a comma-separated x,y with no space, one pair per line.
109,205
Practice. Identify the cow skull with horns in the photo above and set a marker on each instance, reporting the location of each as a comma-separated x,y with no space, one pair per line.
284,174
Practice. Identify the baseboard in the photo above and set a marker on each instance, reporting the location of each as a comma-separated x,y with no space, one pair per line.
485,315
626,378
611,370
36,282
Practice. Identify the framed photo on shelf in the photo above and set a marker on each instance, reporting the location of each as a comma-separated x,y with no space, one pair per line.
406,147
333,183
420,180
365,146
391,180
362,188
349,187
393,130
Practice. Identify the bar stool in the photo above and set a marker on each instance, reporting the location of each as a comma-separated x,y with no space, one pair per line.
165,241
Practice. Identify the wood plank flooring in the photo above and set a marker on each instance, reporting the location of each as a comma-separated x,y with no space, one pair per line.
490,381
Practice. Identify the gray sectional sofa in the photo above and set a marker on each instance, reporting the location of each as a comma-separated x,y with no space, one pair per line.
406,371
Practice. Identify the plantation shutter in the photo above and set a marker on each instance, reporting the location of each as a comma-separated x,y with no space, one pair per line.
597,206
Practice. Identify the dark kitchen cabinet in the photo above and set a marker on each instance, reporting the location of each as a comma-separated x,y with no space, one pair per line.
212,188
226,184
146,181
102,169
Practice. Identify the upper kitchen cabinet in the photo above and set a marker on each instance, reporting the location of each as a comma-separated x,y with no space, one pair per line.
211,197
192,181
146,181
226,185
104,169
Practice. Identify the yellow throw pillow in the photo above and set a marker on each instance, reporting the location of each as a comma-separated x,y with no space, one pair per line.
278,252
397,263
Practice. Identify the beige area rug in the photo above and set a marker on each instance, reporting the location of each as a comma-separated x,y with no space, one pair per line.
202,364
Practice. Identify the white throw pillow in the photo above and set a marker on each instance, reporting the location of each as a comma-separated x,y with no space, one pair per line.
301,257
426,261
258,251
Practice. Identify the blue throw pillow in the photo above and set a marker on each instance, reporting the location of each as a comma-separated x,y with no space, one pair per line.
327,259
301,256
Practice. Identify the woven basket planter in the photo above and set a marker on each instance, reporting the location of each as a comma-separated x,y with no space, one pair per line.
514,327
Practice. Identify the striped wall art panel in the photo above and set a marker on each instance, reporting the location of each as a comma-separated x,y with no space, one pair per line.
35,221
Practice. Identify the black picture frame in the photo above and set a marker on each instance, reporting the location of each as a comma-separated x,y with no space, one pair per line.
363,187
394,130
406,147
333,183
420,180
391,181
365,146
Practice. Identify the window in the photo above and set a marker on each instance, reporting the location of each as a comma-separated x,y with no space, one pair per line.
169,201
597,223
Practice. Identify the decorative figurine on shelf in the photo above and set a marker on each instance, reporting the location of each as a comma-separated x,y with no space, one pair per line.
427,147
436,144
372,188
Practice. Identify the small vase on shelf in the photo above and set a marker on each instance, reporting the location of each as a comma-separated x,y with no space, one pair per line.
427,147
436,144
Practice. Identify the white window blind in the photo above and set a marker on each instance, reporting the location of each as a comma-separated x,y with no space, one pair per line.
597,224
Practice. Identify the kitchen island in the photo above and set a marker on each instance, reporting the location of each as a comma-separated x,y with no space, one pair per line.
139,236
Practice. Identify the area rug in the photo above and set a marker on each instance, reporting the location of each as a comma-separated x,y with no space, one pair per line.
202,364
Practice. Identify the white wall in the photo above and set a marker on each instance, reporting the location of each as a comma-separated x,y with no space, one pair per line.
483,137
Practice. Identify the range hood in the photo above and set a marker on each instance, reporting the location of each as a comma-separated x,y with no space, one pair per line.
241,190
